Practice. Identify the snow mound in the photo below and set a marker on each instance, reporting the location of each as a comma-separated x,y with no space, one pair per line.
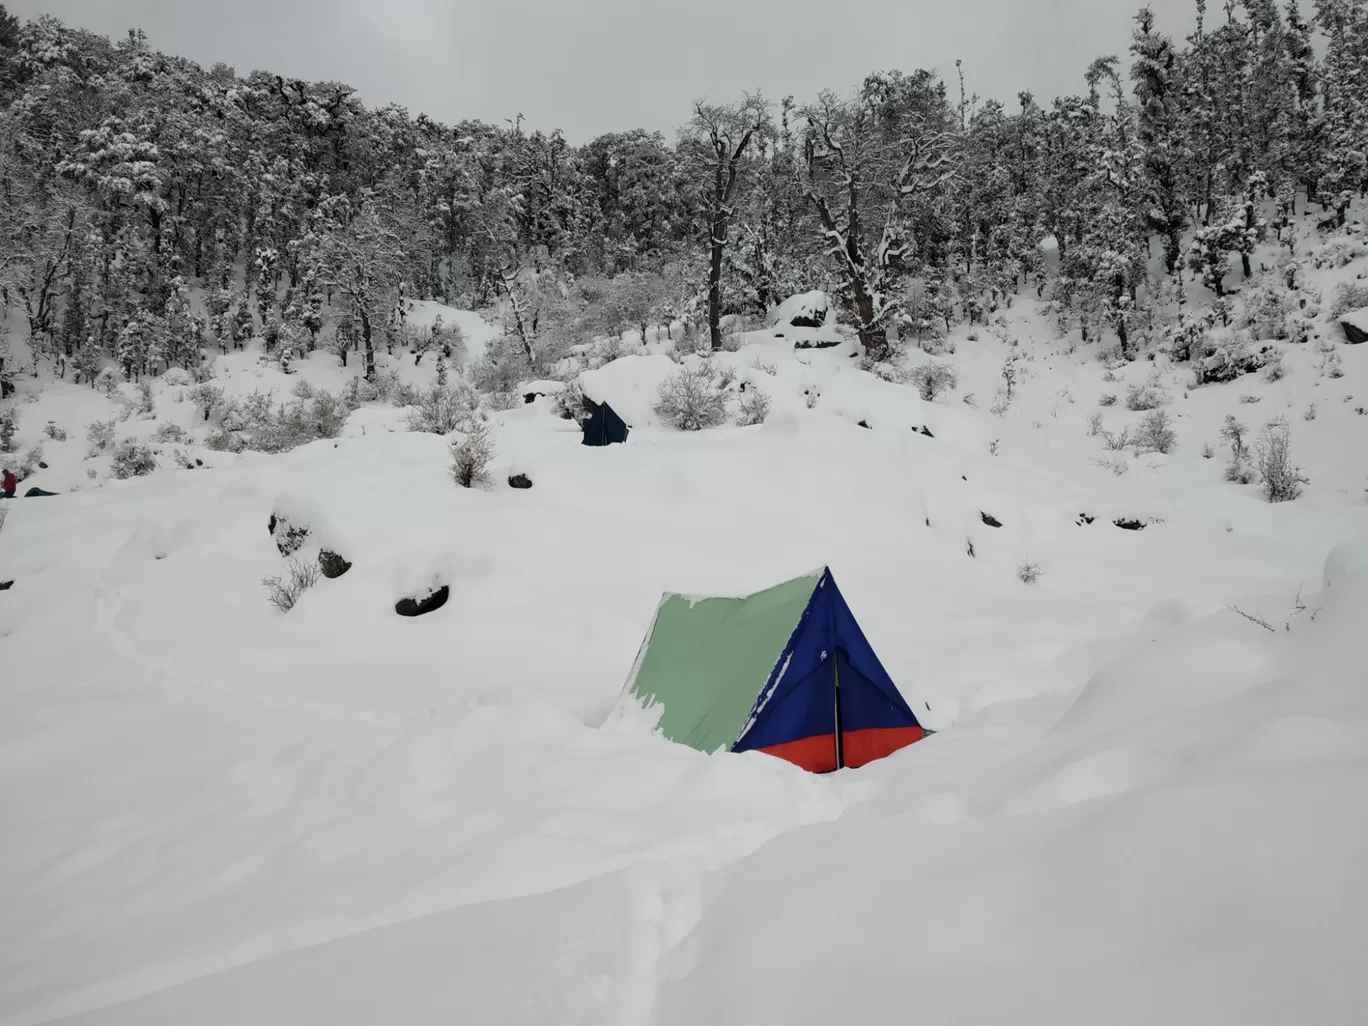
807,310
631,386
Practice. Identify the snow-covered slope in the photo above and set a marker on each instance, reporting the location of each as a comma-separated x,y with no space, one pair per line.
216,812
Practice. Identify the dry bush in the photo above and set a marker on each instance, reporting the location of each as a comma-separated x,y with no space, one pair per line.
1282,480
934,379
1156,434
284,591
755,407
692,398
440,410
471,456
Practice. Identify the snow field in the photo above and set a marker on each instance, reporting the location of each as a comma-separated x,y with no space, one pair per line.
219,813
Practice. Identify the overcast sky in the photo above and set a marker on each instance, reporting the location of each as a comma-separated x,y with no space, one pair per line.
594,66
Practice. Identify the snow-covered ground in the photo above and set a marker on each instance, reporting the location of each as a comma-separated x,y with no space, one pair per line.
1141,805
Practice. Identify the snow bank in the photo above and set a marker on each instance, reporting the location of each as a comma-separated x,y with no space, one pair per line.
807,310
631,386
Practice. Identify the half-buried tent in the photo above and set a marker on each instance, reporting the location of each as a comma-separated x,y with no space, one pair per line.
604,427
786,671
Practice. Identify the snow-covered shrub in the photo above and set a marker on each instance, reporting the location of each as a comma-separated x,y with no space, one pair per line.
471,456
1330,365
1028,573
224,441
570,403
1274,369
1310,413
108,382
4,512
503,366
1349,296
302,389
169,433
289,537
207,399
100,435
1233,434
441,410
1094,425
754,407
1282,480
29,464
54,432
1107,400
502,402
284,591
131,459
1156,433
1149,396
357,392
766,368
146,402
9,427
692,398
933,379
301,422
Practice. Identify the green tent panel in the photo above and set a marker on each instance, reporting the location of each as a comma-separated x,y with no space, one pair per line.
705,658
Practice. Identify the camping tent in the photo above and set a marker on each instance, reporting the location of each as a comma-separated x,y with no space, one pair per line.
786,671
604,427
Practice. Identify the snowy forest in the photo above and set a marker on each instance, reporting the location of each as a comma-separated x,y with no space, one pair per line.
153,212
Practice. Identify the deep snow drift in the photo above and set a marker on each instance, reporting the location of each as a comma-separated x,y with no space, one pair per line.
1141,804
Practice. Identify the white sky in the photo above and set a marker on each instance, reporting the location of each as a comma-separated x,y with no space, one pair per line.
595,66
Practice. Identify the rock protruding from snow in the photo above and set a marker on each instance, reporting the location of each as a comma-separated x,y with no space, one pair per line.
332,565
423,604
807,310
1355,327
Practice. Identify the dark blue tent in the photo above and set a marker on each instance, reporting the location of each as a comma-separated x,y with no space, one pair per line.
604,427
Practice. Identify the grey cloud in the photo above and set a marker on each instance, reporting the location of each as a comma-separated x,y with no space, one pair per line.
596,66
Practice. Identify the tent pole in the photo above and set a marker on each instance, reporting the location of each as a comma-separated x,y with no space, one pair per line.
840,747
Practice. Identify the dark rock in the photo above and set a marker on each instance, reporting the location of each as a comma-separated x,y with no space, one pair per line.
1353,334
927,431
42,465
6,585
431,602
865,424
332,565
199,463
971,550
778,334
989,519
519,481
1129,525
1084,518
821,343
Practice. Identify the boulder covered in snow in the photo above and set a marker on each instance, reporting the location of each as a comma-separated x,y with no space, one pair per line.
1355,327
807,310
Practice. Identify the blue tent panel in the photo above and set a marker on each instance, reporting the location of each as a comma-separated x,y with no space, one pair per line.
604,427
829,702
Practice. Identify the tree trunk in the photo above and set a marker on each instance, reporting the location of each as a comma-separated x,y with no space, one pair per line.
370,345
715,282
873,336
